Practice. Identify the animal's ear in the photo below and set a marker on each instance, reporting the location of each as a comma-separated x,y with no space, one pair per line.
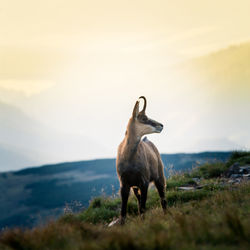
136,110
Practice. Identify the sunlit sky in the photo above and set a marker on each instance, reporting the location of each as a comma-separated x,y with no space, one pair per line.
79,66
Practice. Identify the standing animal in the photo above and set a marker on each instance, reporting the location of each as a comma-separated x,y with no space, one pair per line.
138,161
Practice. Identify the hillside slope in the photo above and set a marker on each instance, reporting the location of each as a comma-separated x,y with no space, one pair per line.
214,216
33,195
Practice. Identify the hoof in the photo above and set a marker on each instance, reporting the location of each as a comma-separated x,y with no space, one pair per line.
142,216
122,221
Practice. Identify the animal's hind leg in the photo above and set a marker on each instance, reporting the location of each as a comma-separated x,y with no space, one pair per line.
138,196
144,193
160,185
124,194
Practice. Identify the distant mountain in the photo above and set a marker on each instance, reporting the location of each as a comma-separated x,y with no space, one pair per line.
225,69
33,195
219,85
11,157
18,134
25,141
235,58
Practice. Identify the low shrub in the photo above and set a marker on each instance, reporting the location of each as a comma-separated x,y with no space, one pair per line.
242,157
209,170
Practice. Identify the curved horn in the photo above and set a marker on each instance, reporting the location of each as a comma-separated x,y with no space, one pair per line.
145,103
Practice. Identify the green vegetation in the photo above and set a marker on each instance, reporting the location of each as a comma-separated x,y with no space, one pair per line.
209,170
179,180
101,209
213,217
242,157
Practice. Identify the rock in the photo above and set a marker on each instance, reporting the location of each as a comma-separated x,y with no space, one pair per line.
114,222
244,169
234,176
246,177
197,180
186,188
237,173
201,186
234,181
234,169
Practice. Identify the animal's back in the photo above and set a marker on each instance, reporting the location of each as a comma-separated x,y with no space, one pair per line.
152,147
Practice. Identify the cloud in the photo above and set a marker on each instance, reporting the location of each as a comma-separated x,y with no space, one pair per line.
199,50
216,143
191,33
28,87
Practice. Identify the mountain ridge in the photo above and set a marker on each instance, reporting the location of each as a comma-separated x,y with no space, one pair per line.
37,142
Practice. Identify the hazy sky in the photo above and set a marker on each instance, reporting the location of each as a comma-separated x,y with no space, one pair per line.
79,66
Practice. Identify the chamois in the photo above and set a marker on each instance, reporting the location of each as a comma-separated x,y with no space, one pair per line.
138,161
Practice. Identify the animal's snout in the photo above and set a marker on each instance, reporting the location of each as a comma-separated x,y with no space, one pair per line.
159,127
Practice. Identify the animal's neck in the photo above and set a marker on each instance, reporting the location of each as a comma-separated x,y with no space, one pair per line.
132,141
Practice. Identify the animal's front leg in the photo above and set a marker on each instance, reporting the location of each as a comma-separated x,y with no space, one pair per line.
124,194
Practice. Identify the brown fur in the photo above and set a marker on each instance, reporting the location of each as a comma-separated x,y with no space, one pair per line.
138,161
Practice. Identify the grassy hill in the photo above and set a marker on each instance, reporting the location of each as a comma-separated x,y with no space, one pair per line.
214,216
33,195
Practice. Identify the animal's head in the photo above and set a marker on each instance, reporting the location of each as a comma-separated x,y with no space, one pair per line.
142,123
